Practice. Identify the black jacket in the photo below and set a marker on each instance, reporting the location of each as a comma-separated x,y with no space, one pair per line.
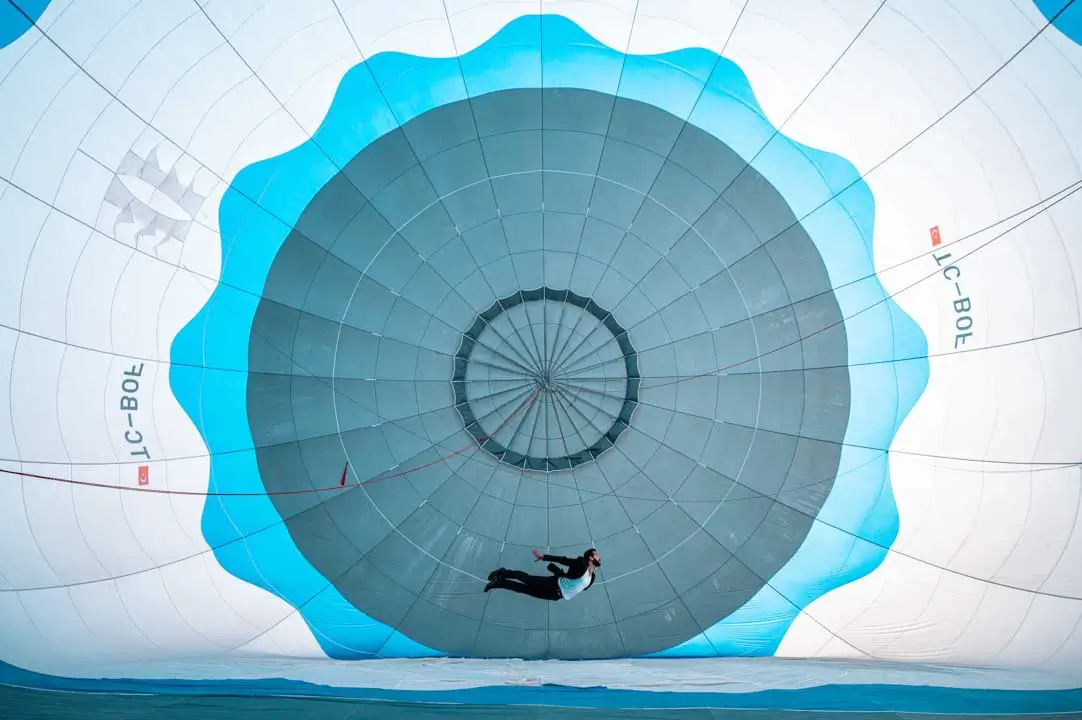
576,567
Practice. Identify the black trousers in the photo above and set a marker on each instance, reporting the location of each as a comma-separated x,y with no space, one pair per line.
542,587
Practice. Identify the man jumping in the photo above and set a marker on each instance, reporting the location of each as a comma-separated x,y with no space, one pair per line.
559,585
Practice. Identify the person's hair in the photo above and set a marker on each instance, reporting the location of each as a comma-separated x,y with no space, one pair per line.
589,552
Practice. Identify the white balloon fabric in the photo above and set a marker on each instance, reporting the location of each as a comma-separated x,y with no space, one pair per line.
315,313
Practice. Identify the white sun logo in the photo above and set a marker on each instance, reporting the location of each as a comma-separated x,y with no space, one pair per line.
155,205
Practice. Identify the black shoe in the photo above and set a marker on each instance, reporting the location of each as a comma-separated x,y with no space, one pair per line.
491,584
497,573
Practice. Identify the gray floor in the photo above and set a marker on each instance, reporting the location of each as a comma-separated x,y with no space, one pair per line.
18,704
707,492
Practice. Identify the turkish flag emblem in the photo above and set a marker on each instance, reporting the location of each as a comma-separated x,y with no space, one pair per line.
144,475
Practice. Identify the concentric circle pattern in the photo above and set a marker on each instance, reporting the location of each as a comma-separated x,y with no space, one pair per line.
546,379
430,271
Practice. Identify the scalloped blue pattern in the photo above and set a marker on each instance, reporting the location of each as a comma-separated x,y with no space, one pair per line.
887,350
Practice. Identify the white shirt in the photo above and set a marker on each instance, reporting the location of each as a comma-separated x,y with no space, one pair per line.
569,587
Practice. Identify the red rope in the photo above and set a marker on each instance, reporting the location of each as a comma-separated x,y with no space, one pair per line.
341,486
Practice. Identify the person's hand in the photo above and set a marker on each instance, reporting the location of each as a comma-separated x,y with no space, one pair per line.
538,555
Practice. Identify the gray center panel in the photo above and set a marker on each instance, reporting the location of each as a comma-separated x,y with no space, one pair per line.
546,391
707,492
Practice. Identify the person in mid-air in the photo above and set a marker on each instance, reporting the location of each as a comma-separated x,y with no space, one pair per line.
560,585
